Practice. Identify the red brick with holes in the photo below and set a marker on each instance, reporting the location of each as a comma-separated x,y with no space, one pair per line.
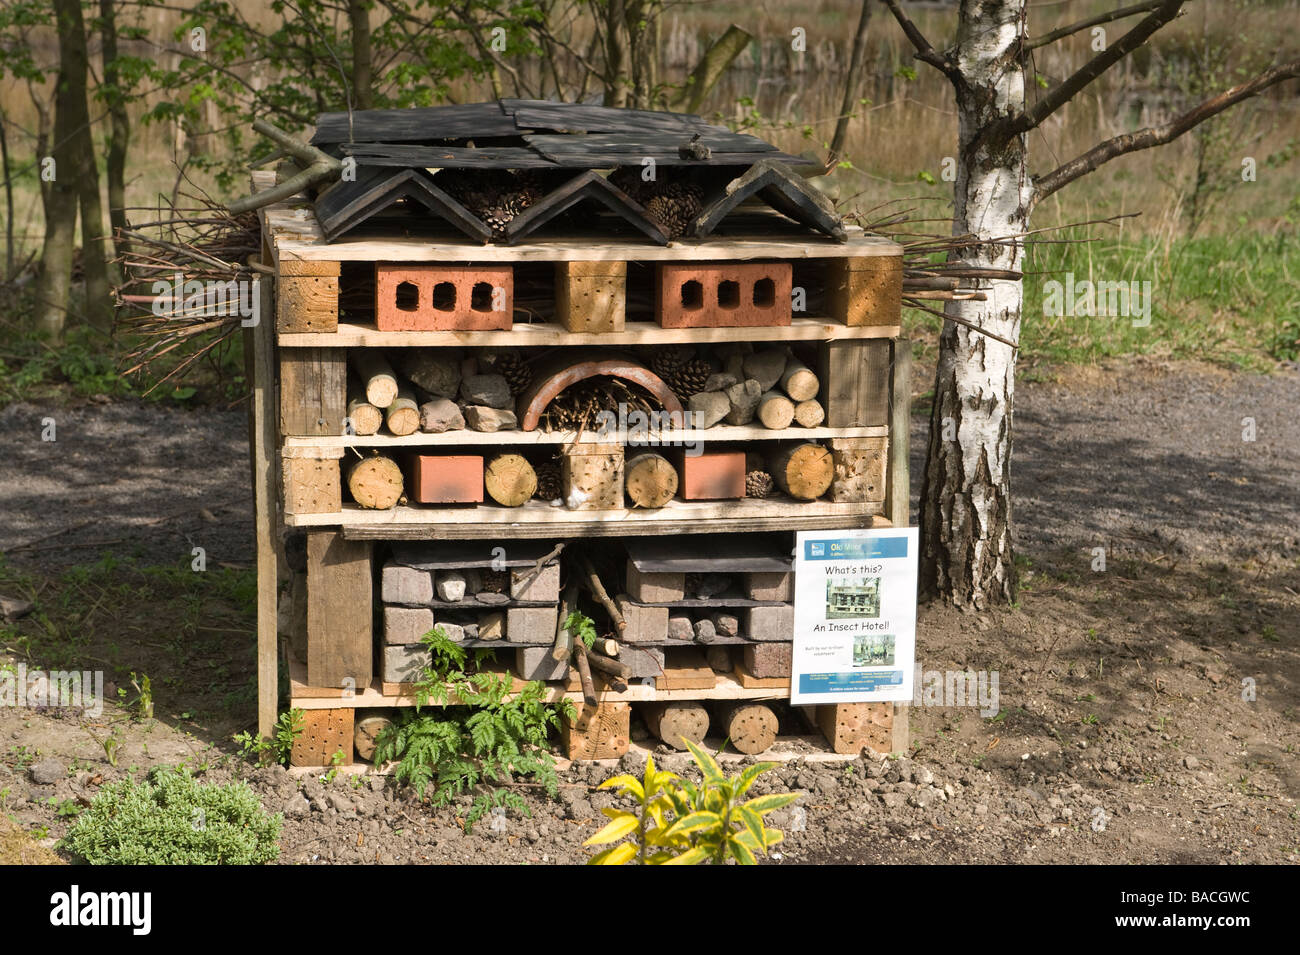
434,298
724,295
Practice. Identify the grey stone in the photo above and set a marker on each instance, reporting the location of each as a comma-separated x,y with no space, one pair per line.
483,418
705,630
492,391
727,624
492,626
47,771
707,408
766,367
719,381
743,398
439,415
297,806
450,586
680,628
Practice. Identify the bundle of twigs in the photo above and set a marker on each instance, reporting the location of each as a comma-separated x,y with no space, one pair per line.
576,408
926,280
205,244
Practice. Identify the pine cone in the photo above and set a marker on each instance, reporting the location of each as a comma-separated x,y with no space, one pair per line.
515,370
548,481
688,379
758,484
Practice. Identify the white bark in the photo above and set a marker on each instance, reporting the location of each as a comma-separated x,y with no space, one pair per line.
965,497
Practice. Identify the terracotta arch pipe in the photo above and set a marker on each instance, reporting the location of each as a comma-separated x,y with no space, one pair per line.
542,392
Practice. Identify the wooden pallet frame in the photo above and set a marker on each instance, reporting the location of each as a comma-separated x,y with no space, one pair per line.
302,351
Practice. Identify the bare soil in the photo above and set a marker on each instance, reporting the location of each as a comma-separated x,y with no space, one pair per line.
1147,711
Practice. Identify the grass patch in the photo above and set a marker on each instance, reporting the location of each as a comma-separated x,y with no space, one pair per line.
191,633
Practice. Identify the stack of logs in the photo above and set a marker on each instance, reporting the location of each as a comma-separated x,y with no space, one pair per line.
769,386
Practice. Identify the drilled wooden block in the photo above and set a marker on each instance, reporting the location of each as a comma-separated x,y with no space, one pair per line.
313,391
591,296
324,733
854,377
311,480
859,465
445,479
598,732
722,295
591,477
410,297
851,727
865,291
307,296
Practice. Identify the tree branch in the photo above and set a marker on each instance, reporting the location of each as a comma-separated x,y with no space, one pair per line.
1068,88
924,51
1062,32
1103,152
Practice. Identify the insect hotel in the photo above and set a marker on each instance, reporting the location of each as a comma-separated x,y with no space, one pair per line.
529,358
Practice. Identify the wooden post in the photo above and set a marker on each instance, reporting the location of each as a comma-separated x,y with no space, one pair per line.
340,649
900,419
265,492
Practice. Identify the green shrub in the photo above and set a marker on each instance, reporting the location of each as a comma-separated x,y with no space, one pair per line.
173,819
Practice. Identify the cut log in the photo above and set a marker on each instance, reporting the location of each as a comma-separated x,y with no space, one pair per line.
563,647
510,480
365,734
604,664
673,721
584,674
592,580
606,645
751,727
809,414
436,371
375,482
366,418
804,471
775,410
376,375
650,480
403,415
799,381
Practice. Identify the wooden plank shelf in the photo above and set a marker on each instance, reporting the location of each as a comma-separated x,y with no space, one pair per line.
470,603
551,334
720,602
620,521
650,440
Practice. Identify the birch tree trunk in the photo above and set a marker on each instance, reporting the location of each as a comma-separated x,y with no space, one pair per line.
966,489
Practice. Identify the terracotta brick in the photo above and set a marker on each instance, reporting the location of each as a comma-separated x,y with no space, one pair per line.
445,479
722,295
438,298
713,475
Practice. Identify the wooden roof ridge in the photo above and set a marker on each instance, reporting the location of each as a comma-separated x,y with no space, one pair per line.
587,185
787,192
347,204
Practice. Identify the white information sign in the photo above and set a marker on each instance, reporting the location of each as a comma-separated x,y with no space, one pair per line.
854,616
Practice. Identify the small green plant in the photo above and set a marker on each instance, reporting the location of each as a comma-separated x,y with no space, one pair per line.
582,627
142,705
276,749
482,733
67,807
335,762
1089,720
679,823
173,819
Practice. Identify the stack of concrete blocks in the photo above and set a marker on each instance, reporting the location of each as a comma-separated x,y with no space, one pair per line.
454,600
767,629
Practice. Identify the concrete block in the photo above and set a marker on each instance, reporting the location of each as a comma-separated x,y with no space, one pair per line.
654,588
404,625
770,586
644,662
769,623
644,624
404,663
535,663
545,586
405,585
535,625
768,659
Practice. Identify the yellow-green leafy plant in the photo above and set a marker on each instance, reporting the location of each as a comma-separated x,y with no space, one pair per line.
680,823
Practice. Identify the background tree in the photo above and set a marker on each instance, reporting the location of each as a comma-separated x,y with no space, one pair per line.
966,489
